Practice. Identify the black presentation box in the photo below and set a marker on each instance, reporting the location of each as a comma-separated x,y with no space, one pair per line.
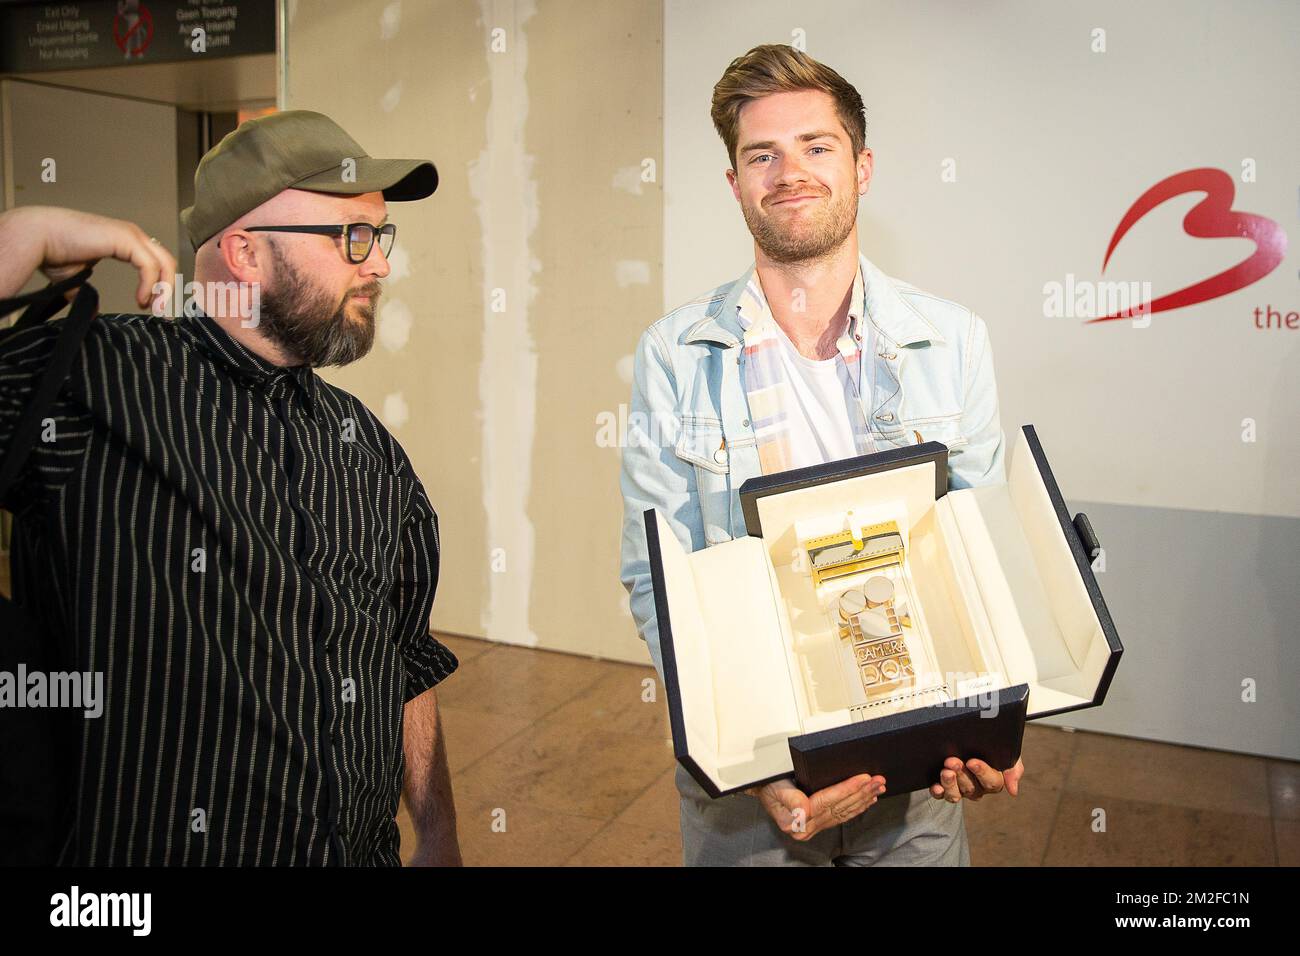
1002,622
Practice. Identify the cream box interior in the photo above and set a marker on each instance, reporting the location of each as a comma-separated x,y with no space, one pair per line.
1002,594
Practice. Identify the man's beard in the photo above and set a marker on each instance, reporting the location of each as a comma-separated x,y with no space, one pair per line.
811,237
309,325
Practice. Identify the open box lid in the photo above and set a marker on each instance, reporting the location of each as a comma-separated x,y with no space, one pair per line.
731,588
799,478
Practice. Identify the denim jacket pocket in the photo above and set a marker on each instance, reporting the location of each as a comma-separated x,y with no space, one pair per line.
947,431
914,431
701,445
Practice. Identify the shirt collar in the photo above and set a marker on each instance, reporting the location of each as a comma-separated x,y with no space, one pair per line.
752,305
882,304
246,365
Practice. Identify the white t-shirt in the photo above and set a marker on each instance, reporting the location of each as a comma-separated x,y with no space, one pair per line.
820,426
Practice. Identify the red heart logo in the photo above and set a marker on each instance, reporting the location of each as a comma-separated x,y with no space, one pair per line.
1211,218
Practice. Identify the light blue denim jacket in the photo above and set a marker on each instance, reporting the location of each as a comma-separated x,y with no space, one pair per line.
927,370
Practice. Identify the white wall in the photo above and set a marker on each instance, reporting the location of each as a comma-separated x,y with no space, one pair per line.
519,288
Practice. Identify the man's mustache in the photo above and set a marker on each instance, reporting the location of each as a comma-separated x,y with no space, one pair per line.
782,197
372,290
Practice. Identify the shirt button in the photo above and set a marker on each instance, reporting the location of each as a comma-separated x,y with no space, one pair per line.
886,416
745,423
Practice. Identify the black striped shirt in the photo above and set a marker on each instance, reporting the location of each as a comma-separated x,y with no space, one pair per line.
246,555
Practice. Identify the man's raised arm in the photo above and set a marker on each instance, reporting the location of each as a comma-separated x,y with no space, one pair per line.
62,242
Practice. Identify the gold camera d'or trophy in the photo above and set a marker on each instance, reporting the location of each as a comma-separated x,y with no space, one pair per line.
862,581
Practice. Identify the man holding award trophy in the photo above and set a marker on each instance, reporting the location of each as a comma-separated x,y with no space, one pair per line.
813,356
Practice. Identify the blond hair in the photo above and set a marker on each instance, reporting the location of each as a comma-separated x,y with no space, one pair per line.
780,68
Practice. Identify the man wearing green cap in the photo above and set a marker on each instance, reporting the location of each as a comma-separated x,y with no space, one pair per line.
241,549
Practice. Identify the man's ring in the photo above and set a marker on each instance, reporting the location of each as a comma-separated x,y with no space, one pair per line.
154,240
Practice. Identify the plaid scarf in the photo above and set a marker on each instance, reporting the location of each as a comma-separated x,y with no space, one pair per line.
768,388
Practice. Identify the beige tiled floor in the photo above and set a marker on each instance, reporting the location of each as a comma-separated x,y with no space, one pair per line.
558,760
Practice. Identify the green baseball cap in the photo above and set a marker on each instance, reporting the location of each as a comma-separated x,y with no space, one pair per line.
296,149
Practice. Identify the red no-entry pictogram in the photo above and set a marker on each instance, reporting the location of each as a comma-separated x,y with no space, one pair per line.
133,38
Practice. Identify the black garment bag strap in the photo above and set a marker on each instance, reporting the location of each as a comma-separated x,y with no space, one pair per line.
41,305
36,784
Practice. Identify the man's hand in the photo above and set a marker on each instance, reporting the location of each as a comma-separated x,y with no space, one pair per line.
973,779
62,242
803,816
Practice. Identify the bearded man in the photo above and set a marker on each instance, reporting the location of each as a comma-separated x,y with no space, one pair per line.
241,549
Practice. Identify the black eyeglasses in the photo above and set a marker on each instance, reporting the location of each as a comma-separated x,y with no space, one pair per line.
360,236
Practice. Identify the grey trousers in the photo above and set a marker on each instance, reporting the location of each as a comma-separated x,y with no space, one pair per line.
908,829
